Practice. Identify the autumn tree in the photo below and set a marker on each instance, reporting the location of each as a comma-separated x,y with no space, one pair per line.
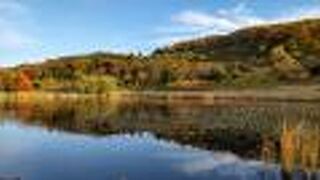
8,81
23,82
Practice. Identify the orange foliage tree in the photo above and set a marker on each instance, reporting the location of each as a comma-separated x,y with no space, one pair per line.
23,82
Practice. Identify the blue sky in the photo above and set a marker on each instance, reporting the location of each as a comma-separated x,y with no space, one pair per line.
31,30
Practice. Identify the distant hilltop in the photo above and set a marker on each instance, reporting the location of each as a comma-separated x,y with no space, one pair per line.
256,57
295,44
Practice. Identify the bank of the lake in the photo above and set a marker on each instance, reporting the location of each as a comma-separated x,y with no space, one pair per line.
284,93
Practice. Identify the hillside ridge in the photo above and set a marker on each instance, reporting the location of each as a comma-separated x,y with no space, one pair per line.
259,57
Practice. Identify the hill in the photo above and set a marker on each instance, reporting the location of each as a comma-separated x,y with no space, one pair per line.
255,57
291,48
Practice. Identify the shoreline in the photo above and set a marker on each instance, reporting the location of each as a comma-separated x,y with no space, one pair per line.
280,94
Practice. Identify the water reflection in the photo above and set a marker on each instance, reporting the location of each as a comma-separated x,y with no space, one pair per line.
236,140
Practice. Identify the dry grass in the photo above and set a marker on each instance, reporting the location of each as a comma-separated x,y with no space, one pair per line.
177,97
299,147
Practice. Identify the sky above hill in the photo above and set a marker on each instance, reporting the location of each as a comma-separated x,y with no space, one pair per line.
31,30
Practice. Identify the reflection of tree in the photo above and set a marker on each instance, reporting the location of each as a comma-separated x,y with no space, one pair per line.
252,131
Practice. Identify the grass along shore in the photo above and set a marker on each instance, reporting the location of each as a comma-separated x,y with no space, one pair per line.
285,93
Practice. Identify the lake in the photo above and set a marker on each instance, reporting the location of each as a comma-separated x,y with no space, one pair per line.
148,138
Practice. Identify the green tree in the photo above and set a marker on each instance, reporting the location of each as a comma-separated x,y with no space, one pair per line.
96,84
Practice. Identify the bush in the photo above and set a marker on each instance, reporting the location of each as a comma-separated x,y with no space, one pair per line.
95,84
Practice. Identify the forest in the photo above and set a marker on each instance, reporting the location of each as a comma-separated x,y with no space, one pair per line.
256,57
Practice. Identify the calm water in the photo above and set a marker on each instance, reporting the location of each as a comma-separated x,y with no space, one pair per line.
145,139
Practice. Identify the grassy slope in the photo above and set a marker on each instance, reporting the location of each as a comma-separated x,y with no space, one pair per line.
293,49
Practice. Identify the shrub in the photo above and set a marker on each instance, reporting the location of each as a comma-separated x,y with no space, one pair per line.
96,84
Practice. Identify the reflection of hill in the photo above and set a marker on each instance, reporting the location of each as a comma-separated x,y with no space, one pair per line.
252,131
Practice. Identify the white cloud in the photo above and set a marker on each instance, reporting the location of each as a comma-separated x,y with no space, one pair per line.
14,19
298,14
190,24
197,19
220,163
203,164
